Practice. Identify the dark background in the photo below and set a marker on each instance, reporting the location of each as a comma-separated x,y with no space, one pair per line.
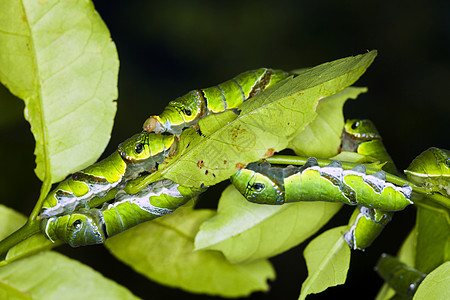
167,48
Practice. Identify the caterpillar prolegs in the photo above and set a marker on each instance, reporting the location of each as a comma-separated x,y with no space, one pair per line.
94,226
264,184
365,225
140,153
188,109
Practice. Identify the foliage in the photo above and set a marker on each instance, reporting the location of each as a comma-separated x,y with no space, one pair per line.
57,56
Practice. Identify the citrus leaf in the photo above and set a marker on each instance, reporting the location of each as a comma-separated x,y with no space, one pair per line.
10,293
436,285
50,275
240,224
58,57
265,124
323,136
10,221
328,259
162,250
432,244
245,231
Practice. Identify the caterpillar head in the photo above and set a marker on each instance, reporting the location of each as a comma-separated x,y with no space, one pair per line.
361,129
183,112
77,229
144,145
257,187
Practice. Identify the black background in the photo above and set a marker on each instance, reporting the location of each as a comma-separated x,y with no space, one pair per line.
167,48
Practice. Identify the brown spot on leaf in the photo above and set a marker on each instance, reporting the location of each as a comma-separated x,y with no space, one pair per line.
240,166
200,164
269,153
242,139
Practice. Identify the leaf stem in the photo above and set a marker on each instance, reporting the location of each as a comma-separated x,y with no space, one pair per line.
139,183
30,228
45,189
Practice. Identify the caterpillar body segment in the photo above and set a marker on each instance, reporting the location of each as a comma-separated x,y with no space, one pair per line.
94,226
431,169
403,279
366,225
140,153
361,136
188,109
313,183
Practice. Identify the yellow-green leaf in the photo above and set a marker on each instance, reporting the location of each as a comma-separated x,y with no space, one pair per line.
432,245
162,250
436,285
328,259
50,275
245,231
58,57
323,136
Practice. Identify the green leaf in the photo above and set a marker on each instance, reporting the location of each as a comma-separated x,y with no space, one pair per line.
405,255
10,221
323,136
162,250
59,58
50,275
432,238
245,231
436,285
265,124
328,259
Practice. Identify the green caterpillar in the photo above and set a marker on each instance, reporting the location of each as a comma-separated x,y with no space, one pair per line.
94,226
400,277
361,136
140,153
431,169
187,110
264,184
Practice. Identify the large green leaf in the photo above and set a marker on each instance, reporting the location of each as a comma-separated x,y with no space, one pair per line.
265,124
436,285
59,58
323,136
432,246
245,231
162,250
328,259
243,225
50,275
